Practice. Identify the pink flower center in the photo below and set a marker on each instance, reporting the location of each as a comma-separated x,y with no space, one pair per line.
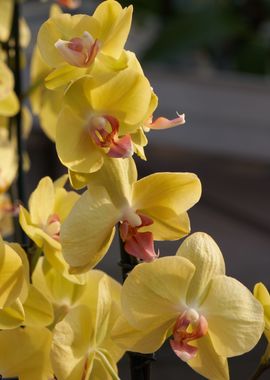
138,244
188,327
104,133
79,51
53,227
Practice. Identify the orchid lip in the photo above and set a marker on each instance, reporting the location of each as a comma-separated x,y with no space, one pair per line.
104,133
189,326
136,243
79,51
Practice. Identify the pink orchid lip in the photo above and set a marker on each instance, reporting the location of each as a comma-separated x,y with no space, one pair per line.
79,51
54,224
163,123
181,337
104,133
71,4
139,244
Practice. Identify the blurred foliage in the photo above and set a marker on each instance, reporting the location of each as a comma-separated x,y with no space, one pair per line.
228,34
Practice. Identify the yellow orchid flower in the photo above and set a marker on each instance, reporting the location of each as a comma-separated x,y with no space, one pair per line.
45,103
153,208
11,275
9,104
30,307
82,345
96,118
49,206
210,316
25,353
71,44
62,293
8,164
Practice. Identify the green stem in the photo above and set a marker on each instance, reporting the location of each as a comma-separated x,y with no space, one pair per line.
33,254
264,364
33,87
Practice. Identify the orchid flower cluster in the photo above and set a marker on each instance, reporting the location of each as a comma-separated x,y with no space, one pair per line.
60,318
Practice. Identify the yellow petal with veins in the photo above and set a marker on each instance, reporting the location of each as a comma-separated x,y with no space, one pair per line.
205,254
177,191
118,176
144,341
74,145
129,104
207,362
167,224
88,231
234,316
154,293
115,23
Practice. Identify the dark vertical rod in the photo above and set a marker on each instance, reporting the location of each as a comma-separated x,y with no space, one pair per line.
15,61
140,364
15,34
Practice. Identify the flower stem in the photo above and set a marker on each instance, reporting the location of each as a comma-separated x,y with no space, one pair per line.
140,364
264,364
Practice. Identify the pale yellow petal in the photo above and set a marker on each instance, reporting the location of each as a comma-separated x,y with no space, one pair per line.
155,293
38,310
207,362
58,78
118,176
11,275
129,104
49,112
12,316
234,316
167,224
22,254
55,286
144,341
25,353
178,191
88,231
115,25
74,145
41,202
205,254
71,344
64,201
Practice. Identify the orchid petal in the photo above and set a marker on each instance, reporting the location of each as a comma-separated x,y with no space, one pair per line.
115,28
25,353
154,293
74,145
205,254
41,201
177,191
235,317
88,231
207,362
